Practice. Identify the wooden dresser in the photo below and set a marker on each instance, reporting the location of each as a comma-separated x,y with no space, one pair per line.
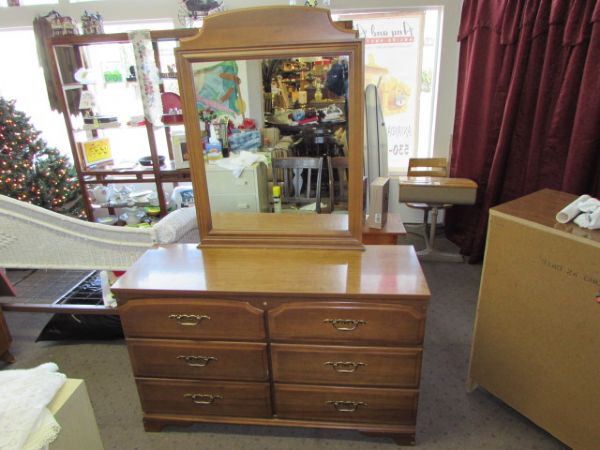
536,343
310,338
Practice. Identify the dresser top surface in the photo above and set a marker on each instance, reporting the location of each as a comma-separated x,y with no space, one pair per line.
540,209
382,271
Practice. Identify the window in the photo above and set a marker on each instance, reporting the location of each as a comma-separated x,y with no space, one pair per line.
28,2
122,98
25,83
401,55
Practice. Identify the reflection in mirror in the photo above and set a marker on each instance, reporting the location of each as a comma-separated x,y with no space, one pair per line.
274,133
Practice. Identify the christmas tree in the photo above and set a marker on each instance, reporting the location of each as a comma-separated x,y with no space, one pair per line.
30,170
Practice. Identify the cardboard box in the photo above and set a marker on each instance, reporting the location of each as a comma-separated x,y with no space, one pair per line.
537,328
270,136
378,202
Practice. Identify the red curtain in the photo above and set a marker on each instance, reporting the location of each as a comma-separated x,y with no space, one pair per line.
528,105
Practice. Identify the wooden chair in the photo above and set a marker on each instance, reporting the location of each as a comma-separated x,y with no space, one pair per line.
317,141
300,181
337,168
428,167
5,340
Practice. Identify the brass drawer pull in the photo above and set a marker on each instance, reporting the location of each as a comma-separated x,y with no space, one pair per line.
345,324
345,405
197,361
203,399
344,366
188,320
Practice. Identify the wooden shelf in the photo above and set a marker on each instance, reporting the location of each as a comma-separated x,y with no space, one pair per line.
135,176
103,172
119,38
110,175
72,86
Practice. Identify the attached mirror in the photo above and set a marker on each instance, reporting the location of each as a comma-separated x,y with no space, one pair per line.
274,125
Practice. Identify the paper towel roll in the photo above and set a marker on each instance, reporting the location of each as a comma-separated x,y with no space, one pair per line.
569,212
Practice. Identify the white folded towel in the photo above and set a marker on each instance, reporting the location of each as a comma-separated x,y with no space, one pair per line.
171,228
570,211
44,432
590,205
237,163
589,220
24,395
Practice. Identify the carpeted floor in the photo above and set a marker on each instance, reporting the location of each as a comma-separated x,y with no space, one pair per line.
449,417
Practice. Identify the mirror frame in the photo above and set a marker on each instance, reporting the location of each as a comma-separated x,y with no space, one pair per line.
266,33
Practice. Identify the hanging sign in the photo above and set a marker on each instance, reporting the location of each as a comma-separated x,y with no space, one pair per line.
393,49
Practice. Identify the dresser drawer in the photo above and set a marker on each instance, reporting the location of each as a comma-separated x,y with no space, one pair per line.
352,323
192,319
244,361
360,366
221,180
202,398
233,203
397,406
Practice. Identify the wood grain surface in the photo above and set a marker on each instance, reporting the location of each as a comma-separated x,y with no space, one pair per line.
384,272
206,360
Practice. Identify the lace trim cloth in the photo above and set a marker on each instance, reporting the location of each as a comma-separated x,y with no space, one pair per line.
25,422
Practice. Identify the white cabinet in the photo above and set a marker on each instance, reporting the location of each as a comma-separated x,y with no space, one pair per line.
228,193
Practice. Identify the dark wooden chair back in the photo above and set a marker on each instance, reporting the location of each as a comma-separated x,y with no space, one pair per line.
337,168
300,180
427,167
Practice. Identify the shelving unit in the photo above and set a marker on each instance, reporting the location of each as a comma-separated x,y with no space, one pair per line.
293,76
295,83
109,175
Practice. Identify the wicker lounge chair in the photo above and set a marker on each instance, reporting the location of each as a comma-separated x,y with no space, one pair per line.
35,238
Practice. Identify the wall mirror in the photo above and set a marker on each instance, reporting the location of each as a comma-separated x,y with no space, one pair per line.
272,97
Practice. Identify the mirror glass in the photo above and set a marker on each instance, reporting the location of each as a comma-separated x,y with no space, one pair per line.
275,139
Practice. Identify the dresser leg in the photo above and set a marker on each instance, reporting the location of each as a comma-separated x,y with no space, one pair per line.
153,425
471,385
399,438
8,357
